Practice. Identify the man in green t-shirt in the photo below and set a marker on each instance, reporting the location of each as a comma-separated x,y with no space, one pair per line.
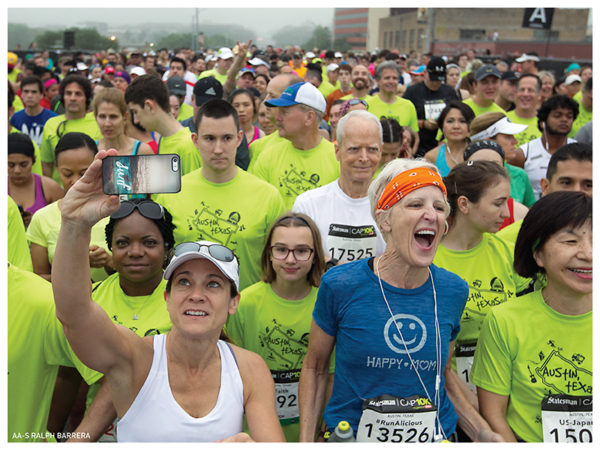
525,112
486,84
76,94
303,160
148,98
387,103
585,108
221,202
361,83
224,62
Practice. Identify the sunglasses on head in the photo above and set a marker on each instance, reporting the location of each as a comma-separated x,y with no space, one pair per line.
217,251
147,208
356,101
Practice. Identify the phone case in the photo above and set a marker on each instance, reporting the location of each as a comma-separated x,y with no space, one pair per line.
141,174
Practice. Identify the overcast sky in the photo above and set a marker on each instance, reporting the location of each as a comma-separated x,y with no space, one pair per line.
262,20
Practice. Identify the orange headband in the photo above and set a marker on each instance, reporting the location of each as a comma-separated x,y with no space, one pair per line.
406,182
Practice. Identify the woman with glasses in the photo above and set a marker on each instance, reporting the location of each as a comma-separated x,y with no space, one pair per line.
274,315
73,154
186,385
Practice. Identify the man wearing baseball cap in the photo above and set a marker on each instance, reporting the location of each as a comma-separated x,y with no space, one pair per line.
303,160
430,97
330,81
176,86
486,84
529,63
508,89
224,61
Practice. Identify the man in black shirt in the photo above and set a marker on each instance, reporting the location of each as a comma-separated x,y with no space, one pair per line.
430,97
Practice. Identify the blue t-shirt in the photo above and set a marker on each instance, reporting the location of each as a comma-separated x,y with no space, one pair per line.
32,126
370,357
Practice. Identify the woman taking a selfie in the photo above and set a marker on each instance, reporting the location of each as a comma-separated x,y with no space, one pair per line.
205,387
73,154
274,315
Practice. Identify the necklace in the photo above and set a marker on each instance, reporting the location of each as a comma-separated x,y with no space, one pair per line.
450,154
135,313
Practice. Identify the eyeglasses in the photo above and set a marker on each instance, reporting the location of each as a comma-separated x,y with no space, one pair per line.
147,208
281,253
217,251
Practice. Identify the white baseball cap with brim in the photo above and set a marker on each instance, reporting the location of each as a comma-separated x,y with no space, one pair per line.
218,254
573,79
137,70
300,94
503,126
224,53
331,67
525,57
310,55
258,62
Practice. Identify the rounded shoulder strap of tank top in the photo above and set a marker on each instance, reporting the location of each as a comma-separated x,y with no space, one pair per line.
136,147
232,353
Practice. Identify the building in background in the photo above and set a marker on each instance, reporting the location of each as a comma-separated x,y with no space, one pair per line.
488,31
357,28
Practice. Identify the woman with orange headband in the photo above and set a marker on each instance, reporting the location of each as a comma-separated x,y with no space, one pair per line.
393,320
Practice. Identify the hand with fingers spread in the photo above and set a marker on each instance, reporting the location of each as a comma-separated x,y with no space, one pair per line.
85,202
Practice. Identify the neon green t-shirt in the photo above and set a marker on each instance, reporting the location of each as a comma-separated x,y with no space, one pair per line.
185,112
257,147
37,165
236,214
17,248
13,74
402,110
509,233
182,144
87,124
531,132
527,351
488,270
326,87
36,347
216,75
479,110
43,231
278,330
150,310
584,117
294,171
18,104
350,96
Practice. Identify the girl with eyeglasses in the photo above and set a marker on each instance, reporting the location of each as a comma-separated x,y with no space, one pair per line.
73,154
275,314
186,385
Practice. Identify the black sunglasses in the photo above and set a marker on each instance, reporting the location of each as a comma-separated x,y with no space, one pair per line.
147,208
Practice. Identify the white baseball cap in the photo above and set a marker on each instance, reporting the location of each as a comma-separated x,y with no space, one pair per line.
573,79
331,67
218,254
300,94
525,57
503,126
224,53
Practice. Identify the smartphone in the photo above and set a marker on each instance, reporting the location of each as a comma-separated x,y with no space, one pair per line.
141,174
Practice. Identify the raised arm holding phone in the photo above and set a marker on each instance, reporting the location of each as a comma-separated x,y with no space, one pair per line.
206,386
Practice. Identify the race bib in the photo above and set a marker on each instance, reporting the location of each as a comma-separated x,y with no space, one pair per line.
464,352
567,418
286,395
349,243
433,108
387,418
110,434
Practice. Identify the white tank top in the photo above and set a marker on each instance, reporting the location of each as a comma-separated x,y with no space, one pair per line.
155,415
